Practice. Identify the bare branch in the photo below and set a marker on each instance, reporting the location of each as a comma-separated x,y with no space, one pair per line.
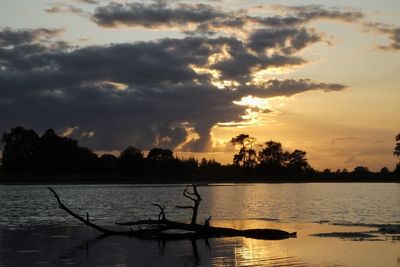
185,194
155,229
207,222
81,219
196,201
161,215
138,233
196,192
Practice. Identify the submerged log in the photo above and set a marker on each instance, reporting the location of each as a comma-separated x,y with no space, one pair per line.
166,229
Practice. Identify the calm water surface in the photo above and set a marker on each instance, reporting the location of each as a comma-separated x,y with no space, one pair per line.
34,232
333,203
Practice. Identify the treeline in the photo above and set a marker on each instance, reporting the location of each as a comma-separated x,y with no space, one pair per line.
271,160
26,152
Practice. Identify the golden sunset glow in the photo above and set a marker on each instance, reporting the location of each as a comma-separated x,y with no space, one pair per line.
116,86
309,76
254,102
200,133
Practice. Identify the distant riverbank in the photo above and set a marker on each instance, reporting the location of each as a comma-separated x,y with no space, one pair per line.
82,178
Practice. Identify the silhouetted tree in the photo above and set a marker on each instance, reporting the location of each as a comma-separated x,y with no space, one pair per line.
396,150
384,171
131,160
361,170
397,169
210,166
63,154
326,171
297,161
20,151
247,154
108,163
159,154
161,161
203,163
187,166
272,158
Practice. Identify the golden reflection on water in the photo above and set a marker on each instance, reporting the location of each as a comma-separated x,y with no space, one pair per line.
306,250
258,252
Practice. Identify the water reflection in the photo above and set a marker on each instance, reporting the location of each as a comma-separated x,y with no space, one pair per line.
34,232
80,246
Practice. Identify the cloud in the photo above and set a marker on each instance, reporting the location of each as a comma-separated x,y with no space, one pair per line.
195,19
204,18
91,2
10,37
289,87
154,15
241,63
63,8
143,94
392,32
286,40
305,13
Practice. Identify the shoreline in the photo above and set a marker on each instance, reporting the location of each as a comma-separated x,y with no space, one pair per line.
198,182
198,178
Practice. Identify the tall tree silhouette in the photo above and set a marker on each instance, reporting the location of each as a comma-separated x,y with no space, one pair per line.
63,154
297,162
162,161
247,154
20,151
24,150
159,154
361,170
272,158
396,150
107,163
131,160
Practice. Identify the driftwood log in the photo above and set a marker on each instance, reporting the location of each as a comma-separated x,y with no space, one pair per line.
163,229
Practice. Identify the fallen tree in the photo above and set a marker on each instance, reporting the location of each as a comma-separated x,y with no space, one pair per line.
162,228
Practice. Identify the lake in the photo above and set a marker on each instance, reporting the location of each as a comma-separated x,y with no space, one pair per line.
35,232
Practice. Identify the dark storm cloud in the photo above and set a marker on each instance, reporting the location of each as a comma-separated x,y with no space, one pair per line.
143,94
21,50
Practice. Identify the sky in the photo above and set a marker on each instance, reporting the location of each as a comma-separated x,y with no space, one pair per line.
320,76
